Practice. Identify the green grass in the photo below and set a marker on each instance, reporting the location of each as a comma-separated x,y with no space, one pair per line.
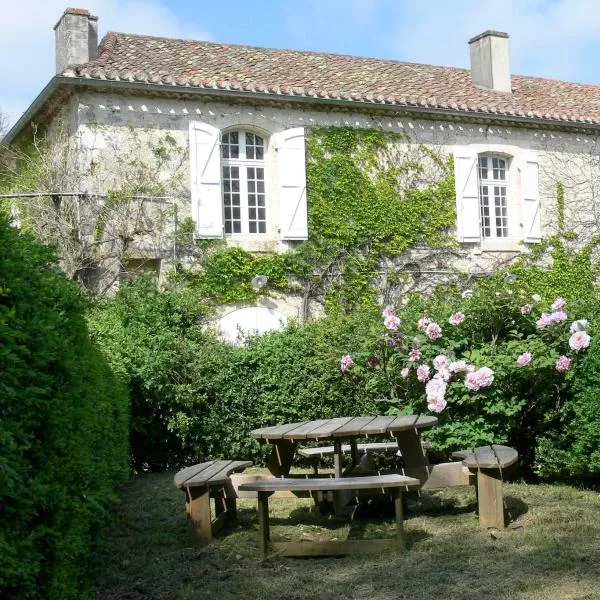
550,550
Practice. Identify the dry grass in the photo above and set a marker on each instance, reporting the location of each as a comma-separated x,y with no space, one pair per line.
550,550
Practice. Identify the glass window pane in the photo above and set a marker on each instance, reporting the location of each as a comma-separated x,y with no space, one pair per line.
262,227
252,226
237,227
260,173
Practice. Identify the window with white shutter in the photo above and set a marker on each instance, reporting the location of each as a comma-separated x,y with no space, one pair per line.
532,227
467,197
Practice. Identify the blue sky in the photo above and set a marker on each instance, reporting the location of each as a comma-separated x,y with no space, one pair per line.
548,38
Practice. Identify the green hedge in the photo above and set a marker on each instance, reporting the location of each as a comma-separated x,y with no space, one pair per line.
63,428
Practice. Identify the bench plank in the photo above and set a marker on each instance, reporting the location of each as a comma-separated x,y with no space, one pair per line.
301,432
362,448
189,472
330,484
328,428
275,432
211,473
488,457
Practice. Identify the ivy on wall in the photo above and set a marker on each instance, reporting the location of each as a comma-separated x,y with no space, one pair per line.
371,196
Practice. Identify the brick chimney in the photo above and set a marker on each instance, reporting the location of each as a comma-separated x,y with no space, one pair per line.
490,66
76,35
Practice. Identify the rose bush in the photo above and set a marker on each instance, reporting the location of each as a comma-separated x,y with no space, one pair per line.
500,370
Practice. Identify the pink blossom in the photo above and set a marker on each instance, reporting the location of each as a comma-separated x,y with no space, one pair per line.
481,378
423,322
414,355
562,364
444,374
536,297
346,363
524,360
433,331
456,318
558,316
579,340
558,304
405,373
423,373
579,325
437,404
526,309
459,366
440,362
388,311
543,321
392,322
435,390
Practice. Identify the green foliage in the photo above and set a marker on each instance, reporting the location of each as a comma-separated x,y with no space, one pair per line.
63,428
194,397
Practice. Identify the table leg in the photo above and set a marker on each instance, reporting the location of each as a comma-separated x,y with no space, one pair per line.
415,460
280,461
199,511
398,509
337,458
263,522
489,498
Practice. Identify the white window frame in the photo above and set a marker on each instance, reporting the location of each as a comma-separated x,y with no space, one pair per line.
243,162
496,182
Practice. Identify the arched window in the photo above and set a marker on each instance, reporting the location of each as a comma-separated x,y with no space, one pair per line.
493,197
243,167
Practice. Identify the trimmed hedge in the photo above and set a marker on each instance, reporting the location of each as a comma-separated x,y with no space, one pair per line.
63,428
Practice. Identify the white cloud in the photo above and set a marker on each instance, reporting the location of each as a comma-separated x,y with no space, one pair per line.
27,38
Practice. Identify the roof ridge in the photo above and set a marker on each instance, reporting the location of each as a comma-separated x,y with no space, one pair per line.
106,47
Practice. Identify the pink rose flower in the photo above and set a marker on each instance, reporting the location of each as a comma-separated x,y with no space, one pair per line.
456,318
558,316
423,322
436,404
440,362
405,373
526,309
579,341
524,360
414,355
543,321
562,364
345,363
423,373
481,378
579,325
435,390
459,366
558,304
388,311
392,322
433,331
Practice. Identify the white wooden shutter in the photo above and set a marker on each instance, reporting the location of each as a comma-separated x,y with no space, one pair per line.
468,227
205,169
532,227
293,220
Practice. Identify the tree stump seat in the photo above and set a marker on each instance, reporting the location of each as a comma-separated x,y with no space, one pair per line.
488,464
201,482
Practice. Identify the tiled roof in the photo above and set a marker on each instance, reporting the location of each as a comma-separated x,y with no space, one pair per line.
198,64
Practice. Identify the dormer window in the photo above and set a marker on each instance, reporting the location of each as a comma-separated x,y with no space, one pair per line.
243,168
493,201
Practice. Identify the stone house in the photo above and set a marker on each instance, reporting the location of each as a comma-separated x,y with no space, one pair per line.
242,113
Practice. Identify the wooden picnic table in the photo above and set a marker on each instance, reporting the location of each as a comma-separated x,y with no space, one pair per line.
406,430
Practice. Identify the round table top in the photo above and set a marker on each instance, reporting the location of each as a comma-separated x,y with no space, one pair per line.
344,427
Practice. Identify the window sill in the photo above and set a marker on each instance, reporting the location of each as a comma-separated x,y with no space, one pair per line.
502,246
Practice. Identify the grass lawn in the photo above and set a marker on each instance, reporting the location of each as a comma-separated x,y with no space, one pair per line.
550,550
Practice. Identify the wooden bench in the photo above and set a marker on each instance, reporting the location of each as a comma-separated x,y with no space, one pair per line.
264,488
205,480
488,464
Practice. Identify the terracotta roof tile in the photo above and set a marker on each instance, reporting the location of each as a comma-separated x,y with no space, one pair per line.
174,62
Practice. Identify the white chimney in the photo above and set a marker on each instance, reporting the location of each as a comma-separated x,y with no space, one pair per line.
490,66
76,35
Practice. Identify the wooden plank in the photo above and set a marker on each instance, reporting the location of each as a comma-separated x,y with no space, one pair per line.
275,432
199,511
327,429
506,456
263,523
335,548
412,422
377,426
333,483
300,433
352,428
188,472
398,512
489,498
204,476
229,467
280,460
413,455
486,458
240,478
